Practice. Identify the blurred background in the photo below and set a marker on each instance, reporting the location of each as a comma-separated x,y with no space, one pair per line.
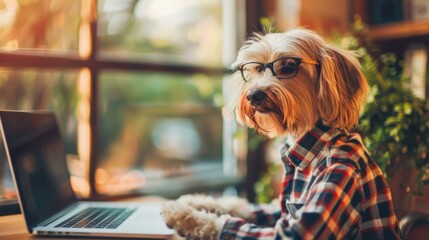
137,87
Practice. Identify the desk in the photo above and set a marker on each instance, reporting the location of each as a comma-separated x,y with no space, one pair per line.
12,227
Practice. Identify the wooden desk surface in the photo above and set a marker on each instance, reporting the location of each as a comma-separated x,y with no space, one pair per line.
12,227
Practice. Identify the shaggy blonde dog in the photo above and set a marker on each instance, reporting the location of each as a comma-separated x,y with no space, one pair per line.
295,85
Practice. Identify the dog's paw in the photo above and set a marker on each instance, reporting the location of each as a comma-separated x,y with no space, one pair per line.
201,202
192,223
234,206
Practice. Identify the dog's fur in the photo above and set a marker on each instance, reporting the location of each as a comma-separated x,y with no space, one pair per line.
333,92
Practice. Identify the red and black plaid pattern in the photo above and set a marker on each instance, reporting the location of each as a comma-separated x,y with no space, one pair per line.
332,189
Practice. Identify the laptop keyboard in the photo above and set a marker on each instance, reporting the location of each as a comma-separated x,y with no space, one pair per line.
93,217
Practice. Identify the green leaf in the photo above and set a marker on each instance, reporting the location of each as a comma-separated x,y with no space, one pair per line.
408,108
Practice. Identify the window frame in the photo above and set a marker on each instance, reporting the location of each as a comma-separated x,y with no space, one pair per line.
88,58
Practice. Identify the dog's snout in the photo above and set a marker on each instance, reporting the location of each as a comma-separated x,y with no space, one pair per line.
256,97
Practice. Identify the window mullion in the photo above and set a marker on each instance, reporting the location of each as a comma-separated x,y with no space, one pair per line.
87,89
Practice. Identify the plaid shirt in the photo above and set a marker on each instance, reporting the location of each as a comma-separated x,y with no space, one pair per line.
332,189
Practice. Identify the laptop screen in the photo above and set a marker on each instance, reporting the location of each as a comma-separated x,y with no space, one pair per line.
38,161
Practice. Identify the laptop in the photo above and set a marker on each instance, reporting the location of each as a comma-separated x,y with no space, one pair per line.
37,158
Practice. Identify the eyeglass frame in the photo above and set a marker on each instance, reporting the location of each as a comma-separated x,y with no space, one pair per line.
270,65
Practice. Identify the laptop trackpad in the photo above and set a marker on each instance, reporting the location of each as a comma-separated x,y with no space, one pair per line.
144,216
149,213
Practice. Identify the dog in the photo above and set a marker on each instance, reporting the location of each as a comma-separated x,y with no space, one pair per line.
296,85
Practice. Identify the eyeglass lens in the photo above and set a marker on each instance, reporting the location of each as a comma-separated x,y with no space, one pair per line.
282,68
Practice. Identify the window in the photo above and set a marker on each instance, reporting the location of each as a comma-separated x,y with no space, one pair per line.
136,87
187,32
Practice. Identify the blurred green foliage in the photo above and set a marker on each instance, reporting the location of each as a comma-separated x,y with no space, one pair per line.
265,192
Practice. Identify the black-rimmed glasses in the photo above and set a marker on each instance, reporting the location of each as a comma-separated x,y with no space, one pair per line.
282,68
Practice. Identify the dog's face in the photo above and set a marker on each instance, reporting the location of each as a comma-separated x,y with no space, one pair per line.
286,82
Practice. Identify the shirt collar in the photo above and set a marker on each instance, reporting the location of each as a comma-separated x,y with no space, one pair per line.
308,146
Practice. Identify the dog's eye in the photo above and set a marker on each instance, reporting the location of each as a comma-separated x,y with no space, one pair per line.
286,69
259,68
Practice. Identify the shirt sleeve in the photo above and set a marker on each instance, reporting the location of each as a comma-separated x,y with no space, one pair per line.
265,214
331,211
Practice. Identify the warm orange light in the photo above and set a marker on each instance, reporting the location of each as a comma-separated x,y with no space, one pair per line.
84,40
12,45
84,135
84,128
78,178
88,16
80,187
118,181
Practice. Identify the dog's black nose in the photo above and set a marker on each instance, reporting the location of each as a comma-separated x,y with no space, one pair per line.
256,97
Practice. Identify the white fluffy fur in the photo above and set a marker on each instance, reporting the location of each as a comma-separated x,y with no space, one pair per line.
233,206
192,223
334,95
189,211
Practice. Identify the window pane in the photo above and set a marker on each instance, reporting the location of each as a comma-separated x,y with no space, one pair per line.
31,89
159,125
185,31
39,24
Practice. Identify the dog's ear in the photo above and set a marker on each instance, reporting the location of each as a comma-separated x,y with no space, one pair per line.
341,88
